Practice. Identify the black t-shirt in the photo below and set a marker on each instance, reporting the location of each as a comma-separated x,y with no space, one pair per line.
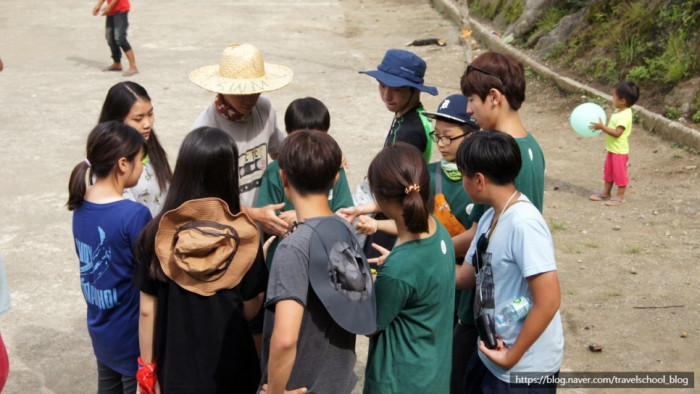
408,128
204,344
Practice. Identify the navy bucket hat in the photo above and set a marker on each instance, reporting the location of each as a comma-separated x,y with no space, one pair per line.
453,109
402,68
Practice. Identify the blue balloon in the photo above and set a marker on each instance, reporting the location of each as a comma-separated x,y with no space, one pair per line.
585,114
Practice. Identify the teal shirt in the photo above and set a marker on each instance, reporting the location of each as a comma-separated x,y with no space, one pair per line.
272,192
412,353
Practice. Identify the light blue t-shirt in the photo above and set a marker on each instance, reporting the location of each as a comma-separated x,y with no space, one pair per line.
520,246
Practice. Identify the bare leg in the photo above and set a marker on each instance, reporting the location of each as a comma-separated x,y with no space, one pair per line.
621,193
132,64
607,190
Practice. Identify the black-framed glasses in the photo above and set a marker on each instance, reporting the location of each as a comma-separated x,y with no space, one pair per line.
481,245
473,68
445,140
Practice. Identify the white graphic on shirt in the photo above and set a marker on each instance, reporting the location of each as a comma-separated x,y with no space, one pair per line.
93,265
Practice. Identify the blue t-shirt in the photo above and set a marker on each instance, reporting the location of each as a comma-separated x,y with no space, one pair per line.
520,247
104,236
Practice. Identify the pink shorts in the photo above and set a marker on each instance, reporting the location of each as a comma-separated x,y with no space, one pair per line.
615,169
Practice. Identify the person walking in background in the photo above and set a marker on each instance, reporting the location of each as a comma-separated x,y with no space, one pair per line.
617,134
411,352
202,276
129,103
116,26
240,110
105,228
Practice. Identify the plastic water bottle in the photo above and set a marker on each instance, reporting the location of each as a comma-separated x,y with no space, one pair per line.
514,311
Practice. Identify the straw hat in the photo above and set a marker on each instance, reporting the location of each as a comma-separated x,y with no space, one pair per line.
205,248
241,71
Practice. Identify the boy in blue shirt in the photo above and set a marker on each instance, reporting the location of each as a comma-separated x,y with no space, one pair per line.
513,257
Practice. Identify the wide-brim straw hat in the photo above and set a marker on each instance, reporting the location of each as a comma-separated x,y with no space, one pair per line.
242,71
205,248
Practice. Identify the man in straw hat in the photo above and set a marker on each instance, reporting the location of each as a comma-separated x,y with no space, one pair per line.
239,79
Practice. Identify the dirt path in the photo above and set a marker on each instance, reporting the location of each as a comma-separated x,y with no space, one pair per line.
644,253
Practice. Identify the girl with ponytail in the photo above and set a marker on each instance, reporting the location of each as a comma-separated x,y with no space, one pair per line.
411,351
105,228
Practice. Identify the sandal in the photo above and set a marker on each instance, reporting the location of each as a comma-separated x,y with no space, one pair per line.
598,197
614,202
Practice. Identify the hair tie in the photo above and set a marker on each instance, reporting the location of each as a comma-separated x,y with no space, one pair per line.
411,188
88,162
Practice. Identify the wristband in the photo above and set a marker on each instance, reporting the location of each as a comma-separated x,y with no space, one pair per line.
146,377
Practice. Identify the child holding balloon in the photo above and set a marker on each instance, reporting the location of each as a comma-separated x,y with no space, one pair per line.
617,133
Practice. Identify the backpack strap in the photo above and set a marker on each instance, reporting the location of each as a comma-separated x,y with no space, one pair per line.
438,179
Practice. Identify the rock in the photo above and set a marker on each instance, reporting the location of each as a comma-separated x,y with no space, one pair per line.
681,97
633,271
684,334
560,34
616,228
533,13
594,347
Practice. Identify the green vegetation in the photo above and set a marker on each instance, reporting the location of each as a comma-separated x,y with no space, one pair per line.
678,145
672,113
632,250
555,225
655,43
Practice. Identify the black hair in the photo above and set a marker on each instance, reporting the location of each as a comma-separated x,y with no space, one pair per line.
106,144
307,113
117,105
310,160
492,153
629,91
392,175
207,166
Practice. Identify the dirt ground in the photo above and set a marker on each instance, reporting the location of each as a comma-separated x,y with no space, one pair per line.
629,274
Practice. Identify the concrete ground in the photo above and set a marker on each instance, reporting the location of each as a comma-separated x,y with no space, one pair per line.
52,89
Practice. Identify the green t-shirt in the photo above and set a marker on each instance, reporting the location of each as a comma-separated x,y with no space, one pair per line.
620,145
272,192
530,182
412,353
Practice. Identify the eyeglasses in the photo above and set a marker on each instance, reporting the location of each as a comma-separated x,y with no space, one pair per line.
472,68
481,245
445,140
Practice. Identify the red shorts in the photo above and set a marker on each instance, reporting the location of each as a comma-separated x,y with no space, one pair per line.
4,364
615,169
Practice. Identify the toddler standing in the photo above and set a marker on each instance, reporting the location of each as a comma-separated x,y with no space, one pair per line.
617,134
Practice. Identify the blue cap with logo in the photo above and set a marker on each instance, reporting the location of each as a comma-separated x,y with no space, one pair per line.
402,68
453,109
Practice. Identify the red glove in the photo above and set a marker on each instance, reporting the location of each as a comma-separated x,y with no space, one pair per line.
146,377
